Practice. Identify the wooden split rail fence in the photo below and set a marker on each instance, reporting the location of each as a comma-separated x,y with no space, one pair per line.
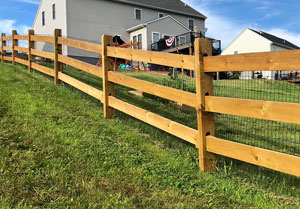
203,101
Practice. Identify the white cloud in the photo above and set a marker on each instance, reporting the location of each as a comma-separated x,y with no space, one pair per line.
219,27
8,25
226,29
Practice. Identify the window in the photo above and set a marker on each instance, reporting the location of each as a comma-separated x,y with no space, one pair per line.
138,14
53,12
134,41
182,40
140,41
155,37
191,25
43,18
160,15
236,52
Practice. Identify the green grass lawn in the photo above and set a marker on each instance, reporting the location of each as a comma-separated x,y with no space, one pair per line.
58,151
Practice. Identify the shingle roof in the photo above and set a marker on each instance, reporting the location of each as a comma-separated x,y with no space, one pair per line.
174,5
275,39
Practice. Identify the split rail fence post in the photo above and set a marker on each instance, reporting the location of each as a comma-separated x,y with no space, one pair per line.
3,44
14,43
107,65
30,46
57,51
204,87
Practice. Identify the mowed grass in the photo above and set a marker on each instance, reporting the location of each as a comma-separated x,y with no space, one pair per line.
58,151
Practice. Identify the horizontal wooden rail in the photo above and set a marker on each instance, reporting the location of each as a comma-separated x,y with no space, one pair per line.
7,58
8,38
159,58
92,69
266,110
81,86
48,55
43,69
48,39
172,94
21,49
266,61
21,61
188,134
7,48
83,45
21,37
269,159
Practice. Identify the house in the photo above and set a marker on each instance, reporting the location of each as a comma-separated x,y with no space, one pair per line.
251,41
144,21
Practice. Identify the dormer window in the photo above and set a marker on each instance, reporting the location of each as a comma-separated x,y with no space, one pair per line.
191,24
138,14
43,18
160,15
53,12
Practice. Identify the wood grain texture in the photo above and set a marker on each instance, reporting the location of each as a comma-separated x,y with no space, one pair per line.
159,58
7,58
92,69
42,54
30,47
269,159
7,38
14,43
83,45
21,37
7,48
21,61
108,87
266,61
21,49
172,94
183,132
47,39
204,86
266,110
81,86
57,48
43,69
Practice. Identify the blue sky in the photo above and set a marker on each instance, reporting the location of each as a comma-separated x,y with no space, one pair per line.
226,18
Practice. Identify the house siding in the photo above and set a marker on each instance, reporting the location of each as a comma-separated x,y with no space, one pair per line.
50,24
90,19
165,26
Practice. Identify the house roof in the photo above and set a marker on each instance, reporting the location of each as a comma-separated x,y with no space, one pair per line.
137,27
176,6
276,40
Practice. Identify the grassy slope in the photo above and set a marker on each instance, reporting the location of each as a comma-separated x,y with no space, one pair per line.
56,150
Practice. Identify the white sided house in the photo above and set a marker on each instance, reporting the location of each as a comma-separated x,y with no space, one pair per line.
253,41
145,21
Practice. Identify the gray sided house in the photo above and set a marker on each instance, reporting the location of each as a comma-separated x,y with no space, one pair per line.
145,21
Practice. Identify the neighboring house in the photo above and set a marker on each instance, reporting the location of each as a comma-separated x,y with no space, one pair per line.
144,21
251,41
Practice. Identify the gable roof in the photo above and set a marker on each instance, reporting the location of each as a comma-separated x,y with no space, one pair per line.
175,6
156,20
276,40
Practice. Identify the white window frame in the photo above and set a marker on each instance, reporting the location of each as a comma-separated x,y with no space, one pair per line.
135,13
43,18
160,13
54,16
184,40
193,23
156,33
